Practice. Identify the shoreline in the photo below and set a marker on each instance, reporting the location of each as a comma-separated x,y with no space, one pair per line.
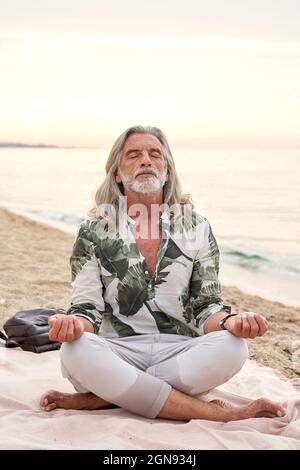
63,226
34,270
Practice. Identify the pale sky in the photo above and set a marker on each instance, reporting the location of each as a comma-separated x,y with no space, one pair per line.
217,73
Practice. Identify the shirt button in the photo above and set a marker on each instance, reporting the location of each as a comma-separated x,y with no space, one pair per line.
146,272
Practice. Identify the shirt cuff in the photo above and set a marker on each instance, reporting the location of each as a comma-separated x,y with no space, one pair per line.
208,312
95,326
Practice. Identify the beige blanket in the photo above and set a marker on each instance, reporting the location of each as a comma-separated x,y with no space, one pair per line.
25,376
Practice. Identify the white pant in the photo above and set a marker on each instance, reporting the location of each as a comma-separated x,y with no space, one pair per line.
138,372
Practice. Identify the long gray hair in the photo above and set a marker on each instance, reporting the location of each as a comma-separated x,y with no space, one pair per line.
109,192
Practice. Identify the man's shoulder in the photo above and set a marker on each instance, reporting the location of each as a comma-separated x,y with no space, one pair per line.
90,225
198,218
193,220
189,223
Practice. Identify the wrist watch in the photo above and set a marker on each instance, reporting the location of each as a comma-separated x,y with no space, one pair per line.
222,322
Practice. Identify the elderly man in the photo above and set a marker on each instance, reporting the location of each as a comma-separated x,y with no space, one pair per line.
147,329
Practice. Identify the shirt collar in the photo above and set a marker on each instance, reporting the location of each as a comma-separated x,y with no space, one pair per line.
164,220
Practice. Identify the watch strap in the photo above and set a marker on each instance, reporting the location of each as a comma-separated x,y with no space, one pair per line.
222,322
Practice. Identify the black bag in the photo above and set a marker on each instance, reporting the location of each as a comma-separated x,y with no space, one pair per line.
29,329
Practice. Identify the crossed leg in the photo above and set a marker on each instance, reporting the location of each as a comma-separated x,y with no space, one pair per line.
178,405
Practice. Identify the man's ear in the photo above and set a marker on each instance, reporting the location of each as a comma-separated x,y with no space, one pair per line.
117,177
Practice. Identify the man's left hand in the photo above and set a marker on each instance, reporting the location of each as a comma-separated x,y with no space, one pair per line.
247,325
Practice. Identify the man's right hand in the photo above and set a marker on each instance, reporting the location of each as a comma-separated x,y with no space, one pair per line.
65,328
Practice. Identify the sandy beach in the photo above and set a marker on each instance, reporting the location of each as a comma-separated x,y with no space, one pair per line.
34,272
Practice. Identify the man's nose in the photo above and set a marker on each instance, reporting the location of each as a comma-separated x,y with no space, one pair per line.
146,160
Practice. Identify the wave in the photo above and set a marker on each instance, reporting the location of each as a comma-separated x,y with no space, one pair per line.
246,256
280,262
73,220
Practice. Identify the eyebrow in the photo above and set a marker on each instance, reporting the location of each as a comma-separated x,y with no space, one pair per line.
154,149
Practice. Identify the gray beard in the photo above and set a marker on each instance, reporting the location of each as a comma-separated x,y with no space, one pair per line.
150,185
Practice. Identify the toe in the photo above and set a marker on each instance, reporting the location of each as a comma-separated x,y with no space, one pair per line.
267,408
44,400
275,408
47,398
50,407
281,411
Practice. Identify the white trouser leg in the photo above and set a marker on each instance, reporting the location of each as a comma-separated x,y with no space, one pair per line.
91,365
201,364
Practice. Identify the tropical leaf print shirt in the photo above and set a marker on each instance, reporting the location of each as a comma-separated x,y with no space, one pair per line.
114,290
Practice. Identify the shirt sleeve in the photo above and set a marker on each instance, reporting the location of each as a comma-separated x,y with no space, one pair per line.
87,288
205,288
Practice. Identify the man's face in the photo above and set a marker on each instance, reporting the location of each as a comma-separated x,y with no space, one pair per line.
142,168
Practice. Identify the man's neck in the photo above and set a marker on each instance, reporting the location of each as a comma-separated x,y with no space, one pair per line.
145,209
148,200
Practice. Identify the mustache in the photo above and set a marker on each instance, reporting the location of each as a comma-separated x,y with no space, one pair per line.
149,171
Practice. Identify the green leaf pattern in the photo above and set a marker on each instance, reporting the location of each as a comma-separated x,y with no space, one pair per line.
121,260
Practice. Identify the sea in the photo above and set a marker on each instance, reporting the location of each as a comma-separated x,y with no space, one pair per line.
251,198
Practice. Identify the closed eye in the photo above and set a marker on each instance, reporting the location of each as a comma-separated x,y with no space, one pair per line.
155,153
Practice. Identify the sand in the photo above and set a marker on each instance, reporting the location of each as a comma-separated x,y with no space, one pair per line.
34,272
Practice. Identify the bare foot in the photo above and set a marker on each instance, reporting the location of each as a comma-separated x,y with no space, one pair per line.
73,401
256,409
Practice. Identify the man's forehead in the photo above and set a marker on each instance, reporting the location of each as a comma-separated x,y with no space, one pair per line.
138,140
